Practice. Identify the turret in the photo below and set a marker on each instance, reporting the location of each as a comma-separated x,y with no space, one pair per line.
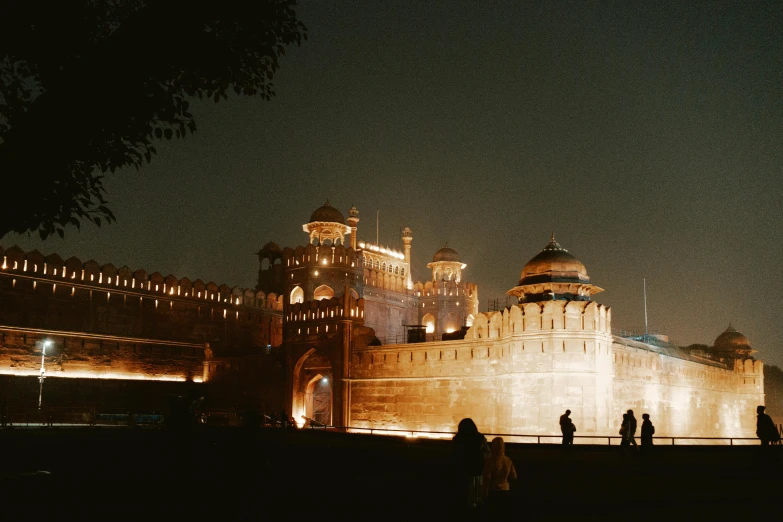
353,220
407,238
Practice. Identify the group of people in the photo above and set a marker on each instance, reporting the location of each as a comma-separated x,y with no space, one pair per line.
627,430
766,430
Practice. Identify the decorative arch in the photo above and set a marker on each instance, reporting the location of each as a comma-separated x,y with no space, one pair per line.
309,373
297,295
450,323
429,323
323,292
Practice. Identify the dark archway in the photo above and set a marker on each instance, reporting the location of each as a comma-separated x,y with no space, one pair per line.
312,383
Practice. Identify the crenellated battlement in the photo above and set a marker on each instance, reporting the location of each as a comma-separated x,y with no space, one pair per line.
749,367
444,287
323,256
340,308
108,277
548,315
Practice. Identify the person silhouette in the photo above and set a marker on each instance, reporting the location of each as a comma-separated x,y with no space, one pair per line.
565,428
630,430
469,450
498,470
647,432
765,428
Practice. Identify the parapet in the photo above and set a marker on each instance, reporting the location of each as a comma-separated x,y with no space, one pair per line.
343,307
749,367
311,255
53,269
547,315
444,287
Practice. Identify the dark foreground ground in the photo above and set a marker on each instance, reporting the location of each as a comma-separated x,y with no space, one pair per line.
228,474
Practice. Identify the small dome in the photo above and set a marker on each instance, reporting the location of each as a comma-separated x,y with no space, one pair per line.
554,264
445,254
327,213
271,247
731,340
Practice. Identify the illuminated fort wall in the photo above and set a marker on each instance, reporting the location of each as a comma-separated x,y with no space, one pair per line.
108,323
517,373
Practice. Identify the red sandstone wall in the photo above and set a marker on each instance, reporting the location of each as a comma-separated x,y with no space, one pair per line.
505,387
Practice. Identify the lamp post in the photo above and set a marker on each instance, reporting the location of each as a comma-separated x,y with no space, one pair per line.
42,377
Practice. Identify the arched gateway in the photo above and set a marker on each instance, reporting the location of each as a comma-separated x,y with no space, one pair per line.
312,388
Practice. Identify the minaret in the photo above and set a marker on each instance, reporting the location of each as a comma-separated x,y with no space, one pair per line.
407,237
353,220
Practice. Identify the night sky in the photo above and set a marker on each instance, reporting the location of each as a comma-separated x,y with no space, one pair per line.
647,136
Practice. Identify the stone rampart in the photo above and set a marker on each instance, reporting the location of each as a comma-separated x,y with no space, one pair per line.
107,277
518,370
111,323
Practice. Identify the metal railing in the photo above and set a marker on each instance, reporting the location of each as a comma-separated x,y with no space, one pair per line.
611,440
62,417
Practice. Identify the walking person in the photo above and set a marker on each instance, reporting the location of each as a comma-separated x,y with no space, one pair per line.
765,428
498,471
647,432
565,427
469,450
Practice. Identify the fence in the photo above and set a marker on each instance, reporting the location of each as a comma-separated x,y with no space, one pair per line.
81,417
610,440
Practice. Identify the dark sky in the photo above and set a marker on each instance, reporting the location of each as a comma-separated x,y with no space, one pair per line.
647,136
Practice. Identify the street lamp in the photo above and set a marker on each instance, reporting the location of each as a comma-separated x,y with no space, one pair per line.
42,377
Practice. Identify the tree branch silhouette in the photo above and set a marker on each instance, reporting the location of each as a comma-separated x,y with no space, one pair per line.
118,79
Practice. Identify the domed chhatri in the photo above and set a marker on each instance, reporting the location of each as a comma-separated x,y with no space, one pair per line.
446,254
731,342
446,265
554,274
326,213
327,225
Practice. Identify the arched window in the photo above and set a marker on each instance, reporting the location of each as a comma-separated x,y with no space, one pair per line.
391,269
396,270
402,271
469,320
323,292
297,295
429,323
377,264
383,267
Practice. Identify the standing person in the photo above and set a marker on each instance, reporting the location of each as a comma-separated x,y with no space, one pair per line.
631,430
498,470
565,428
469,450
647,432
624,432
569,435
765,428
284,420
